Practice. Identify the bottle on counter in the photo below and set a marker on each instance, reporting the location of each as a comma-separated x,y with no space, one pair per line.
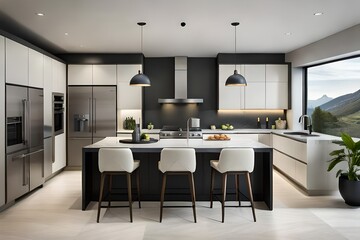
136,133
258,123
267,123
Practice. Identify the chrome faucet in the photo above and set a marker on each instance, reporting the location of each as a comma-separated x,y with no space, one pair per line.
309,123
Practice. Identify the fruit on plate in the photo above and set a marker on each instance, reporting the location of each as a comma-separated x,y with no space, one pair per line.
145,137
227,126
220,137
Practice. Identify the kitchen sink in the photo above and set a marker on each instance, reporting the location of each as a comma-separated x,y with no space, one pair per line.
304,134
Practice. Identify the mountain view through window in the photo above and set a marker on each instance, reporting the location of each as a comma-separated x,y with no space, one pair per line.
333,97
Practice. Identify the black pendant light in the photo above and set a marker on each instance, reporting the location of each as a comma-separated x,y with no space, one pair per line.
236,79
140,79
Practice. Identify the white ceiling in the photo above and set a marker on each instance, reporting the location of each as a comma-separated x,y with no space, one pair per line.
109,26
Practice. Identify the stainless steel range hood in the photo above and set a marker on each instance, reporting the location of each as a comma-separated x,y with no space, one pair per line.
180,84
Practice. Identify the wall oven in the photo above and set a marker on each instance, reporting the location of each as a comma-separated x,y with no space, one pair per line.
58,111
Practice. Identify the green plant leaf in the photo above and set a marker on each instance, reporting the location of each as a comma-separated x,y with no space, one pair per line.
337,152
335,161
338,173
348,141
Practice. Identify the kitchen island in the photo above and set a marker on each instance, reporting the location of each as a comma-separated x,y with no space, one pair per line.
150,183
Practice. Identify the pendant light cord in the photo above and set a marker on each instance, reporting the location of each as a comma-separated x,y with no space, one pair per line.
142,39
235,49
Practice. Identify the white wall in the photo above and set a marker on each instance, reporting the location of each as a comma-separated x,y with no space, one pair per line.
342,44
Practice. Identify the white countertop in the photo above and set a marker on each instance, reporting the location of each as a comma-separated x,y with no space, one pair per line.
320,136
194,143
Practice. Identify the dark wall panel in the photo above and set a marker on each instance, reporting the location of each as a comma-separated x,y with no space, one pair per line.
202,83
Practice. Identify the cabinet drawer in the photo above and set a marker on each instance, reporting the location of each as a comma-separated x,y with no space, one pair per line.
284,163
301,173
290,147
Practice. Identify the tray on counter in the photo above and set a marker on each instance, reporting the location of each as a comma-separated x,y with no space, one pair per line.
152,140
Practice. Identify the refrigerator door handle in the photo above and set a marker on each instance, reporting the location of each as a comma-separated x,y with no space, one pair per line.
37,151
24,135
90,116
28,154
95,106
24,172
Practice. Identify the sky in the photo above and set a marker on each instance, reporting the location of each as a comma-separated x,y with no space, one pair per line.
334,79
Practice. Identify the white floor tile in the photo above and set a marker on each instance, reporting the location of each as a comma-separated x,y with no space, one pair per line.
54,212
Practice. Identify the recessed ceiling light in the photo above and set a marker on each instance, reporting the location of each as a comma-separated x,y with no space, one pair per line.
66,34
318,14
288,33
40,14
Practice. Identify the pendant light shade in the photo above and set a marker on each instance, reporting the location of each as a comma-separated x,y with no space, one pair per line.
236,79
140,79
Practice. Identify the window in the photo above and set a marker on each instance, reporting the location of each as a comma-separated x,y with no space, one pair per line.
333,97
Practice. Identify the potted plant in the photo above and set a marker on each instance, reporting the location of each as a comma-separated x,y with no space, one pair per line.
349,180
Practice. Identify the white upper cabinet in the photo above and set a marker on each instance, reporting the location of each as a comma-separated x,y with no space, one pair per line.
230,97
255,89
128,97
80,74
36,69
277,86
48,82
17,63
104,75
267,87
92,74
58,76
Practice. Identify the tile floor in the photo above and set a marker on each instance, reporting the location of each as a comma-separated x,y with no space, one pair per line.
54,212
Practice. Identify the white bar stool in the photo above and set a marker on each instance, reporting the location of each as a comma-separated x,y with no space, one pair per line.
233,161
117,161
178,161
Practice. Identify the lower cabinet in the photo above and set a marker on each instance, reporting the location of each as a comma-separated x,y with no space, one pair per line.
306,163
48,156
59,153
291,167
290,157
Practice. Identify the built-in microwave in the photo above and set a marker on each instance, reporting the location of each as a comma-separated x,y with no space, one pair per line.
58,111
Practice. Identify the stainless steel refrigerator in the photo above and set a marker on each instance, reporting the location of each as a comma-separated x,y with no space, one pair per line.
92,117
24,140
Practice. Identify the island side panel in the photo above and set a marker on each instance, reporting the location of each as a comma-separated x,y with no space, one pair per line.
150,178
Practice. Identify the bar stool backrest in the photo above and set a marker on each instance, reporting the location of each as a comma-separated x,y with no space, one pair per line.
116,160
177,160
236,159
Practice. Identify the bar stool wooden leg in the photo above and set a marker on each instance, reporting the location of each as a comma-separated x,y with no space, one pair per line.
102,180
162,195
236,178
128,175
110,187
212,187
224,178
138,185
192,190
251,195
